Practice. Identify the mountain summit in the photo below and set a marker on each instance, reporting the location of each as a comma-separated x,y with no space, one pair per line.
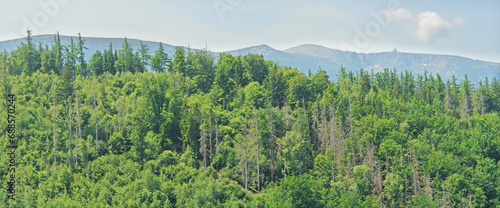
311,57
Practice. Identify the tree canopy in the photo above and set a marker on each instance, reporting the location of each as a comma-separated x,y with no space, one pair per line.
242,131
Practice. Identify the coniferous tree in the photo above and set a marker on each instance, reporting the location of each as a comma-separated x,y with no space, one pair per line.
29,54
178,64
82,64
144,56
58,52
159,62
96,63
125,59
109,60
71,54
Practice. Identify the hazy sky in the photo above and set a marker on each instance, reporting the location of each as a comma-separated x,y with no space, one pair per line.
441,27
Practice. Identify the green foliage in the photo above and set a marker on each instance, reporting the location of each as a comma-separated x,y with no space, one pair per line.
160,60
190,134
297,191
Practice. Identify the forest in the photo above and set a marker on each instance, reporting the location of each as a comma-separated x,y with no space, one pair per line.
142,128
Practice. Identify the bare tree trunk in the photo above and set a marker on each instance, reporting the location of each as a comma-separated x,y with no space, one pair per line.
95,115
55,130
300,149
428,188
119,112
415,177
350,134
69,130
447,100
332,140
203,146
287,121
271,142
106,128
324,129
258,148
333,143
210,132
316,130
216,135
350,118
246,157
79,126
483,106
465,105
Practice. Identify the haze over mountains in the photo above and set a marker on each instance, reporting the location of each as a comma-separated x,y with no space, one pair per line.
312,57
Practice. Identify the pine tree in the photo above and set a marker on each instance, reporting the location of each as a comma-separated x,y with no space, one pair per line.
178,64
159,62
96,63
109,60
82,67
29,54
144,56
125,60
58,51
71,54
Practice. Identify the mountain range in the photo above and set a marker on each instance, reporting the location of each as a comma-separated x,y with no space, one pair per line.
312,57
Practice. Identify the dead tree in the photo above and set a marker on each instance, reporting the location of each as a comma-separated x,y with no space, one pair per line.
119,106
95,120
69,130
258,148
203,146
79,130
210,132
271,142
54,120
216,135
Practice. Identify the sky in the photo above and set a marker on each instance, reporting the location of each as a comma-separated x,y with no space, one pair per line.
454,27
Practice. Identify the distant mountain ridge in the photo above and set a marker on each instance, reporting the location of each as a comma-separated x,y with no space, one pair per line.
312,57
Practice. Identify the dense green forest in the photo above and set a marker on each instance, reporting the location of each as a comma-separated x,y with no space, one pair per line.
149,129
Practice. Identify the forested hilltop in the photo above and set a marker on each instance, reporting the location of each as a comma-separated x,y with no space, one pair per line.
241,131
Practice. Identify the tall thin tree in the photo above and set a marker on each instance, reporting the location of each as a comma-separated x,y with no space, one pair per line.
258,147
69,130
95,120
203,145
272,135
54,121
77,103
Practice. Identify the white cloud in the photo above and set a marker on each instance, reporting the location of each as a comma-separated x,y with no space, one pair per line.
399,14
459,21
431,26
